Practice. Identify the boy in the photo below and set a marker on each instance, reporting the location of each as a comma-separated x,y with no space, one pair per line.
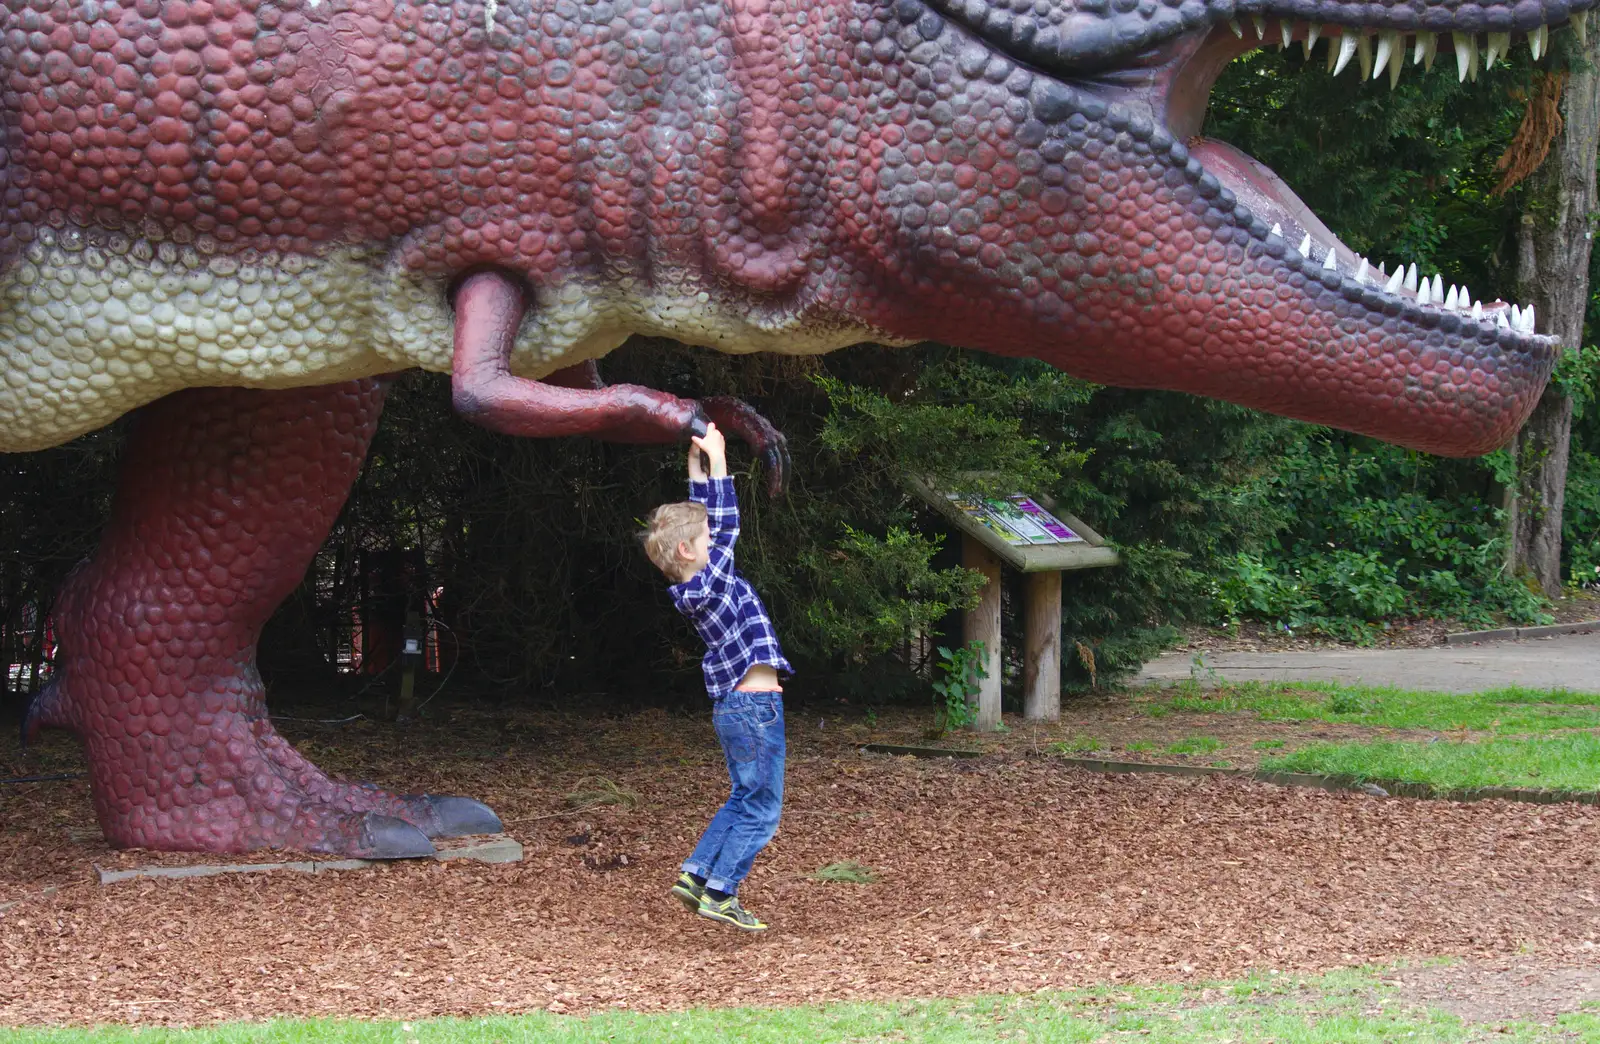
692,543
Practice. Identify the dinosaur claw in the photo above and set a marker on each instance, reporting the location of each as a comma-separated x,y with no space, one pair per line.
779,467
460,816
385,837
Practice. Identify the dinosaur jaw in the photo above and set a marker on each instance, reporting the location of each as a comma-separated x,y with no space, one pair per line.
1157,259
1181,87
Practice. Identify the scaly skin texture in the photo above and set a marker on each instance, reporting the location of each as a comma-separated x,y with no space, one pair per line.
287,194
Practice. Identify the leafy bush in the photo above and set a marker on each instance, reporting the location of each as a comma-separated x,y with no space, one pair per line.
1371,532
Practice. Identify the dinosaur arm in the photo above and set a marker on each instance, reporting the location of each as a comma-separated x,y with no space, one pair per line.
575,401
489,308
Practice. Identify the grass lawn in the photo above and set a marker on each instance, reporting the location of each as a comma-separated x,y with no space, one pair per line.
1348,1007
1564,762
1513,737
1510,711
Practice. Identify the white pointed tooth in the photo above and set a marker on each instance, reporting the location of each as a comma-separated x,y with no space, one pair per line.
1516,318
1260,25
1386,50
1347,50
1364,55
1527,319
1411,278
1330,262
1286,30
1238,30
1500,320
1420,48
1305,246
1580,25
1397,63
1539,42
1430,51
1499,47
1277,229
1472,58
1393,285
1437,293
1423,296
1477,310
1361,271
1312,32
1450,298
1463,46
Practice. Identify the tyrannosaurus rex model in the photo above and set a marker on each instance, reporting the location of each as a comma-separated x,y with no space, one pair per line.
271,202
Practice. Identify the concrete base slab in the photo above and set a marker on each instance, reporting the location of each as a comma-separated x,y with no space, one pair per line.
485,848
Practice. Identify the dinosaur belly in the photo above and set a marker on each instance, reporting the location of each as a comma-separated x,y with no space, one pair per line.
94,324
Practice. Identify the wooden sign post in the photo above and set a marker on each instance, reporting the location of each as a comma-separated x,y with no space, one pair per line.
1042,543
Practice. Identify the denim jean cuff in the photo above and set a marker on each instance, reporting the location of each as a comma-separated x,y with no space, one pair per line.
719,884
691,867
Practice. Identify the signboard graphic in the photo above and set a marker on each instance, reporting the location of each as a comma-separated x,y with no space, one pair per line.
1018,520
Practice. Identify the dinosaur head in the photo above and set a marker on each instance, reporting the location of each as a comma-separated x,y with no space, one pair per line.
1047,192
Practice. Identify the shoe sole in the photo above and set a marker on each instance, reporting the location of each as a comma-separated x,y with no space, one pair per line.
719,918
690,901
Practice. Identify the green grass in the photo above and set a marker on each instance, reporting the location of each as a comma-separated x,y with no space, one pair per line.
1267,745
1349,1007
1195,745
846,871
1076,745
1509,711
1570,761
1142,746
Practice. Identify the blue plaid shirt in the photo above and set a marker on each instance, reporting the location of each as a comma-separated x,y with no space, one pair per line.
721,604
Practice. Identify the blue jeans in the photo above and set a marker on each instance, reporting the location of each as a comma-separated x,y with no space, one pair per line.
750,727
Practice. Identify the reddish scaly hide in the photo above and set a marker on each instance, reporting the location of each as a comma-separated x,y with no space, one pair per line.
225,497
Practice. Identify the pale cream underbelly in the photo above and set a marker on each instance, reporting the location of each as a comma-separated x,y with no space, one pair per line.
92,326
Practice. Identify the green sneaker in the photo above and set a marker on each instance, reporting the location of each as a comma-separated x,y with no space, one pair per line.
728,911
687,892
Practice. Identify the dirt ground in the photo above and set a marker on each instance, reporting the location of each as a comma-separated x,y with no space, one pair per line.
1005,873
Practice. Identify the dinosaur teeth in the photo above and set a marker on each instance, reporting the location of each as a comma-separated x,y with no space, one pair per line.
1277,230
1305,246
1347,50
1460,41
1580,26
1361,271
1312,32
1411,278
1437,292
1423,297
1260,25
1238,30
1499,47
1286,30
1329,263
1450,298
1393,285
1386,51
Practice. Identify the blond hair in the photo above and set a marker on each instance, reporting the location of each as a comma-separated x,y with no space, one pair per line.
668,526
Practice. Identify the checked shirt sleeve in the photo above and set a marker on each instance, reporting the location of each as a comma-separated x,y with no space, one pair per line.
712,589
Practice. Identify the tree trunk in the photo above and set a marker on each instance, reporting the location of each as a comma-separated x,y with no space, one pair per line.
1553,274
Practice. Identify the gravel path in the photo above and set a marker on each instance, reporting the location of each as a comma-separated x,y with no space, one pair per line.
1569,662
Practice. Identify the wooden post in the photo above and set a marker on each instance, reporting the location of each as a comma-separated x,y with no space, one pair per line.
983,625
1041,665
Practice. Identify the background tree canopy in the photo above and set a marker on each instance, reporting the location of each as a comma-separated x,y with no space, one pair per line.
526,554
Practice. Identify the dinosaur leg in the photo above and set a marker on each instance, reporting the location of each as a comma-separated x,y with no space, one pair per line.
225,496
489,308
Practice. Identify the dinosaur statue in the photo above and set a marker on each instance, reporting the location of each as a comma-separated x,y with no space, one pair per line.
240,214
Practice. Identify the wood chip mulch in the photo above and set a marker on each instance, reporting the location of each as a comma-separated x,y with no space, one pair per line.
1003,874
